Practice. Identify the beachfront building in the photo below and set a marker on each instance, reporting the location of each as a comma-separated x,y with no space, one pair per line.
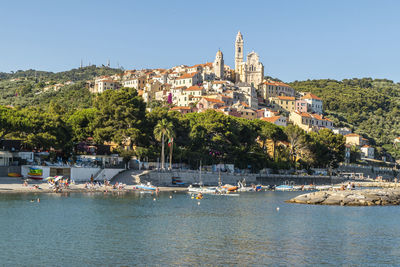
310,122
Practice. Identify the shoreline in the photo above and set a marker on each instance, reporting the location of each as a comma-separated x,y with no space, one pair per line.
14,186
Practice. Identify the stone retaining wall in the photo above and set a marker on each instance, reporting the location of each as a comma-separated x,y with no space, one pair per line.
210,178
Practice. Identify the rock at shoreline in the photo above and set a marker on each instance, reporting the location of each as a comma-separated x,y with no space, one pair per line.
366,197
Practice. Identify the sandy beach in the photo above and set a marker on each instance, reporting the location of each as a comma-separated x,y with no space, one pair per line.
15,185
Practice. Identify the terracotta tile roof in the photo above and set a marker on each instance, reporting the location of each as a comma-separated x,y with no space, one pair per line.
187,76
276,83
352,135
181,107
195,88
213,100
271,119
290,98
311,96
219,82
366,146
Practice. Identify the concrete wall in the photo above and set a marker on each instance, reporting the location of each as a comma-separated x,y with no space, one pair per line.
108,174
77,174
5,170
45,169
209,178
83,174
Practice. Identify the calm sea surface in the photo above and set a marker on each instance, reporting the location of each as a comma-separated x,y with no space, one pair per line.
133,229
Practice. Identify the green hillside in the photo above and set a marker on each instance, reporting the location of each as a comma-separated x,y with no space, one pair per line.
28,88
371,107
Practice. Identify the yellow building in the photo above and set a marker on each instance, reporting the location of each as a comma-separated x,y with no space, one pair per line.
283,103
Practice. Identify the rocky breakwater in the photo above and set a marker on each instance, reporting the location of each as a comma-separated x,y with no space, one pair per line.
366,197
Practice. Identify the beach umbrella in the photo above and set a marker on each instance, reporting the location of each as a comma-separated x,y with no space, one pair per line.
49,178
58,178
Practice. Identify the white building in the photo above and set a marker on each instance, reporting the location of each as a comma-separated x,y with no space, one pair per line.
251,71
367,152
314,103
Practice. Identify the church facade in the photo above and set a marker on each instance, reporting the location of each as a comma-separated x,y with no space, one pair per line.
251,71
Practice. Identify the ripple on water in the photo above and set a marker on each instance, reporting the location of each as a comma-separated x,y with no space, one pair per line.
98,229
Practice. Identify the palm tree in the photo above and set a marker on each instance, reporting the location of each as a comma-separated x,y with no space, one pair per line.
297,143
163,129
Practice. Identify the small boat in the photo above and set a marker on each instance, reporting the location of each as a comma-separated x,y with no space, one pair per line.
177,181
14,174
284,187
230,188
146,187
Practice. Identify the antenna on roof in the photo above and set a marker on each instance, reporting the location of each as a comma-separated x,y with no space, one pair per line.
108,63
81,64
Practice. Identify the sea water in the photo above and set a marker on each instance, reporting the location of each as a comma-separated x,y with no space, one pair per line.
126,229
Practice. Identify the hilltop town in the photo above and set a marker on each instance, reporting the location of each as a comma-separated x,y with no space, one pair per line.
76,106
240,92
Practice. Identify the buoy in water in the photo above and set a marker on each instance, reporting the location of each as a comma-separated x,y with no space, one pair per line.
198,203
192,197
154,199
277,208
170,196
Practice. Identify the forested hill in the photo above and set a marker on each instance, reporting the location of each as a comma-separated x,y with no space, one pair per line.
28,88
370,107
80,74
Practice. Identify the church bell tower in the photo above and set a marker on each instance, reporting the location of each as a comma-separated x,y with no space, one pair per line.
238,53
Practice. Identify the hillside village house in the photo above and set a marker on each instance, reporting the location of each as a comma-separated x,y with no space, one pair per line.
209,103
396,141
188,79
271,88
229,111
343,131
310,122
283,103
367,152
314,103
103,84
301,106
277,120
355,140
183,110
138,83
266,113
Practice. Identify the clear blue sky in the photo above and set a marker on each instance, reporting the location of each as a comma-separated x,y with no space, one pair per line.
295,40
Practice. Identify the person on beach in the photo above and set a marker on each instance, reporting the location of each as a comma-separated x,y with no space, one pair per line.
349,186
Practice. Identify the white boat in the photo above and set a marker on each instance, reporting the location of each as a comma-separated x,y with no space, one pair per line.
146,187
284,187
